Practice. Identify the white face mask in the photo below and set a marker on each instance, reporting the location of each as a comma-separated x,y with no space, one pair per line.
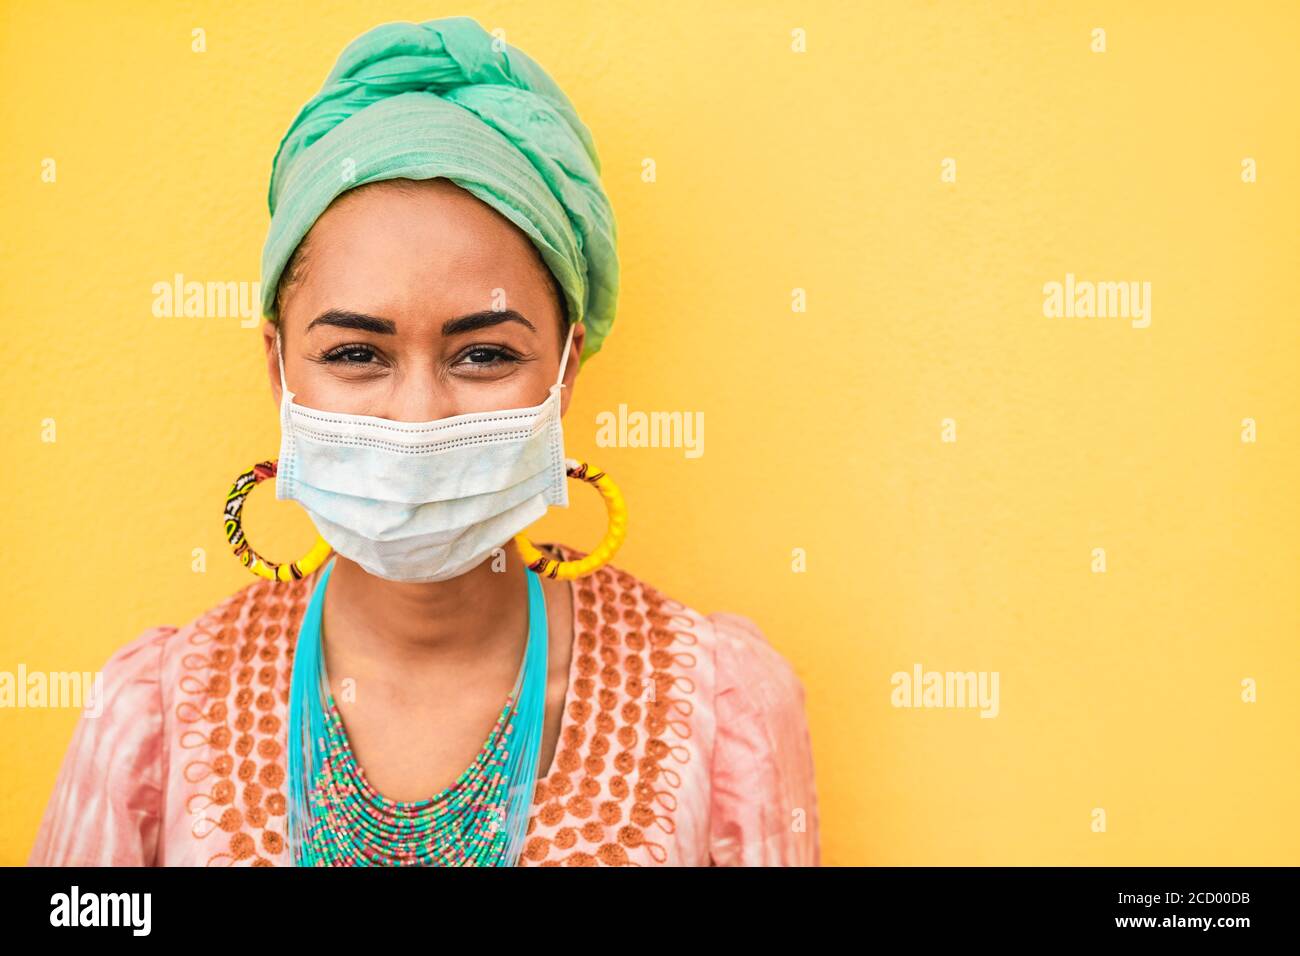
422,501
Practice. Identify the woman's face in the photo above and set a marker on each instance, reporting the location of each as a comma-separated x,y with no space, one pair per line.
415,301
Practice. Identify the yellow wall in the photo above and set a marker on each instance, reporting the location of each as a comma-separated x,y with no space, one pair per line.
775,171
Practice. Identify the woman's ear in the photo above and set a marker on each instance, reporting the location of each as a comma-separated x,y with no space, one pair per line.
269,330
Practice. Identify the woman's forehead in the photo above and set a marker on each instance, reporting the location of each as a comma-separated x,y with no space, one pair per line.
423,247
417,216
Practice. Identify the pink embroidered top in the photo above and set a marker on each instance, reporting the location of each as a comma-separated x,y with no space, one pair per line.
186,766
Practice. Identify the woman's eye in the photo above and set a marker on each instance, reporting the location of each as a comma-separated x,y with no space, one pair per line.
350,355
485,355
478,357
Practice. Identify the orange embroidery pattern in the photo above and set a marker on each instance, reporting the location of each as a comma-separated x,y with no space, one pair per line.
627,712
237,670
630,692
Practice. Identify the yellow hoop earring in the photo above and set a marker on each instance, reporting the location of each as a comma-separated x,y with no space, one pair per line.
244,551
614,504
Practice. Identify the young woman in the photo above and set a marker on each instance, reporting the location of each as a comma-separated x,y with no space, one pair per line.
440,263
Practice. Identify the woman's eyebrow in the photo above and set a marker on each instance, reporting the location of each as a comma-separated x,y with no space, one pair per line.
482,320
343,319
354,320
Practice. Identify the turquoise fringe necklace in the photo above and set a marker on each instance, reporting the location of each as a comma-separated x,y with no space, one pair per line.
335,818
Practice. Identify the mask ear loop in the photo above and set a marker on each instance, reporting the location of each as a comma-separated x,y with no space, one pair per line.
564,359
279,354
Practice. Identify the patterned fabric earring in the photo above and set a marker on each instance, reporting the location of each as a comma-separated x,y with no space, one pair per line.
614,505
248,557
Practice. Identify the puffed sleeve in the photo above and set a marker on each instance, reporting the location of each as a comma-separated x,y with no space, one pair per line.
107,801
764,797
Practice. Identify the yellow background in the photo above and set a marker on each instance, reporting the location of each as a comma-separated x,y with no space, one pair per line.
775,171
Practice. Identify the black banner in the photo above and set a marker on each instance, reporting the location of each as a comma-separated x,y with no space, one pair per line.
1169,906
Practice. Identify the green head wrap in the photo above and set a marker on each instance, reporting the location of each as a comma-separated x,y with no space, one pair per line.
421,101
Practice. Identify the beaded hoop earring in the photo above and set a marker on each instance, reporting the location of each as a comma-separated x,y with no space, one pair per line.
614,504
244,551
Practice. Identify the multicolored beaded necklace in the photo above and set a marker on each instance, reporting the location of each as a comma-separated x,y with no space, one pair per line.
337,819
